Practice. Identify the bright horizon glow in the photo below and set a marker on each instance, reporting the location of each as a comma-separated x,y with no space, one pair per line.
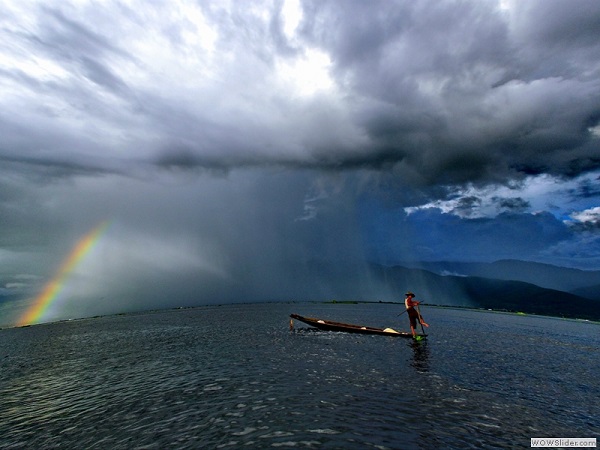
51,290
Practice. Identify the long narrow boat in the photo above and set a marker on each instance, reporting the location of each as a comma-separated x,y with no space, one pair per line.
328,325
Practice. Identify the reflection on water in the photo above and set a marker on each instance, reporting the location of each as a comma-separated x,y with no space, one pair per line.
420,355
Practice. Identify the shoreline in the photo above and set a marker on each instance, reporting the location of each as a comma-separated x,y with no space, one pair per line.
322,302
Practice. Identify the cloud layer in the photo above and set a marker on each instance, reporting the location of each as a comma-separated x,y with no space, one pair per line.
236,145
447,91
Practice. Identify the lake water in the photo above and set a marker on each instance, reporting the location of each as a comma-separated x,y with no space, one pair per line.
235,376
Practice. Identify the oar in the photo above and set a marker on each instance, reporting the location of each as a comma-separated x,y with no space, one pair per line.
420,318
407,310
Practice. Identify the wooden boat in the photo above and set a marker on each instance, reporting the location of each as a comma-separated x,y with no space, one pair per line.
328,325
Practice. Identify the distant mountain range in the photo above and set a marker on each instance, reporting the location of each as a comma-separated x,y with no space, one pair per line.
504,285
585,283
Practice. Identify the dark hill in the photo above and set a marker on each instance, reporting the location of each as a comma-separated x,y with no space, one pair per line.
591,292
488,293
544,275
529,298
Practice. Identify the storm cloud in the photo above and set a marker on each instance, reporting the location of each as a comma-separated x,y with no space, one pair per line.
497,93
235,148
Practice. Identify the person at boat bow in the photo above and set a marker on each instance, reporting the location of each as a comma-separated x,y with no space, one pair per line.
413,314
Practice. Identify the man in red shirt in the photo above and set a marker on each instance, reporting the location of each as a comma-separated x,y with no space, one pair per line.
413,314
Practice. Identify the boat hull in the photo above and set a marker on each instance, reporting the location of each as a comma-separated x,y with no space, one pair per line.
329,325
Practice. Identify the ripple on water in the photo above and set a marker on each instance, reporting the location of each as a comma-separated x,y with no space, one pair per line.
235,376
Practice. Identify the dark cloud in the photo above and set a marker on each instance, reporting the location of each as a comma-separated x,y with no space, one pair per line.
48,167
592,226
421,92
465,205
556,26
469,103
587,189
515,204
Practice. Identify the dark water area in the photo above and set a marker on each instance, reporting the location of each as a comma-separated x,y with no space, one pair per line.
235,376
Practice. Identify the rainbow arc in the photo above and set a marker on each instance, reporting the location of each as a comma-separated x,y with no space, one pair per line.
48,295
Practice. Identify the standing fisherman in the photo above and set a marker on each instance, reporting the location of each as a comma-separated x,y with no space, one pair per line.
413,314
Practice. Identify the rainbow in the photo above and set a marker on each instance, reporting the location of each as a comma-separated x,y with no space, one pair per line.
51,290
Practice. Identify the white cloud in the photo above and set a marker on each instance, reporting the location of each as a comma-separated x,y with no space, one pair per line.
307,74
15,285
292,16
588,215
540,193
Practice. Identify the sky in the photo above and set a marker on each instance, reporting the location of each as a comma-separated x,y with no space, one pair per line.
233,147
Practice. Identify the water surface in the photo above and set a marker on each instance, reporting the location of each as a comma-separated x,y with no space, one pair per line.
236,376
